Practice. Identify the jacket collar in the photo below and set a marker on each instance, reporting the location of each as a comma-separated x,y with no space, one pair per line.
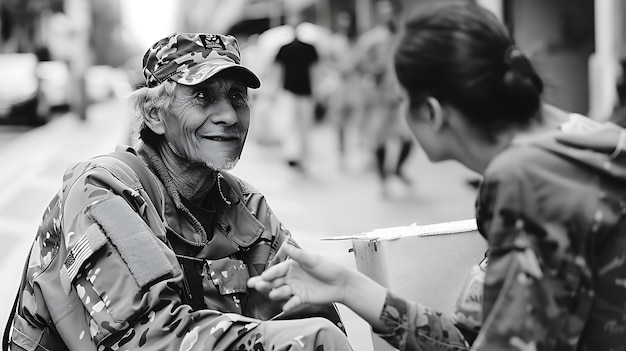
236,222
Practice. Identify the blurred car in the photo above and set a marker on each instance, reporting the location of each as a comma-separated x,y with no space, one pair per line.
105,82
54,78
31,90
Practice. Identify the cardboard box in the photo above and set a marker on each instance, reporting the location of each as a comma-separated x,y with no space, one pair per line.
424,263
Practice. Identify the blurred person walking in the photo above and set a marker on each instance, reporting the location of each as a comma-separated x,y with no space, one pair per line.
345,105
382,98
296,61
550,205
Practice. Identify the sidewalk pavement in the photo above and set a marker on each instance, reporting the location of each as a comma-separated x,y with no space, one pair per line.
329,200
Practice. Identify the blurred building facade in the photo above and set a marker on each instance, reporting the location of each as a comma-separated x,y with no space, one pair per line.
576,45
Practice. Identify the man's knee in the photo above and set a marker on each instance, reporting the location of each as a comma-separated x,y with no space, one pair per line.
308,334
328,334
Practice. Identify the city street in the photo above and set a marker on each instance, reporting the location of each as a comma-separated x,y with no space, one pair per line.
329,200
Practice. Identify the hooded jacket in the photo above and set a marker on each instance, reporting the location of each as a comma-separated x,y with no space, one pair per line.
552,208
89,284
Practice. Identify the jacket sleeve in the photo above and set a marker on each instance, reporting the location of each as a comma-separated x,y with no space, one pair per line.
412,326
113,283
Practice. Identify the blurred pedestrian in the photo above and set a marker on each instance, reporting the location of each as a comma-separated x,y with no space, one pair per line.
345,105
550,205
150,248
296,60
382,98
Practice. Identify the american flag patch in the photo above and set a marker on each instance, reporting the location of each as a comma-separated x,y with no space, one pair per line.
90,242
77,256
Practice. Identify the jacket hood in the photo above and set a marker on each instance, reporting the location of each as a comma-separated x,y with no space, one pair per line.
600,146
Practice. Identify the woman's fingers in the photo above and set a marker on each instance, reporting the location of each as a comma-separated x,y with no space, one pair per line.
294,301
306,259
281,254
281,292
276,271
263,285
259,284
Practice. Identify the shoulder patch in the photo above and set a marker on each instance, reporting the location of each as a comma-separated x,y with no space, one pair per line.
132,238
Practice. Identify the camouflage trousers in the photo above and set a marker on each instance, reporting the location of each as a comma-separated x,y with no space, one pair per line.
310,334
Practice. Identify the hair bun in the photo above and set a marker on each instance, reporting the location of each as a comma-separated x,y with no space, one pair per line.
522,86
515,59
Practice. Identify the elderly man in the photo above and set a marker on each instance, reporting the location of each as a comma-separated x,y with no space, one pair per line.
151,249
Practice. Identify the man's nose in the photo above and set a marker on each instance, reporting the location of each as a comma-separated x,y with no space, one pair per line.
224,113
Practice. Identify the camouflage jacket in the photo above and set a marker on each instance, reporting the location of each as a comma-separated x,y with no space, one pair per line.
89,285
552,209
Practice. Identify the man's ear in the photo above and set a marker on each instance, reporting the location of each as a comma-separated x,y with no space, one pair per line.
154,121
436,113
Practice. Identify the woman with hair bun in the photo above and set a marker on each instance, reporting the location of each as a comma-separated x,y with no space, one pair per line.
551,204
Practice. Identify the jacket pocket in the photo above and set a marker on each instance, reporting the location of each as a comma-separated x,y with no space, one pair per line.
229,275
28,338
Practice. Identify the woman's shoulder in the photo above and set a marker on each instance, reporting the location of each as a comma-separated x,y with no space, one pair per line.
517,160
546,150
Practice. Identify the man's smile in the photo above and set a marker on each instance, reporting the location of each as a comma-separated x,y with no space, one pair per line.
222,137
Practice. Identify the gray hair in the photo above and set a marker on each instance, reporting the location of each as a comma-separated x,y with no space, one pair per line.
145,100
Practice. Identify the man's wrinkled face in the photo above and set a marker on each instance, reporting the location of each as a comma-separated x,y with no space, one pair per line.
208,123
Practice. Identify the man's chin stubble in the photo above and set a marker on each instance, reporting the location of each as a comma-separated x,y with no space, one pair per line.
221,165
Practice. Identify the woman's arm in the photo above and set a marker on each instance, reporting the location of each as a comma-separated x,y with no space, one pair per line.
308,278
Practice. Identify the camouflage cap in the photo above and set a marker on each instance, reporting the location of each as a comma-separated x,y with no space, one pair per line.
191,58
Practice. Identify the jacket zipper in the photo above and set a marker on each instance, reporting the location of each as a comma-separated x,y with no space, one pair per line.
182,238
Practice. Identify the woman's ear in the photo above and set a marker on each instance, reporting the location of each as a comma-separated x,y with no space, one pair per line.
154,121
435,112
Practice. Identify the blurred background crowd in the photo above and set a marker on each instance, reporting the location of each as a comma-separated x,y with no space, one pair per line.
63,55
79,51
82,43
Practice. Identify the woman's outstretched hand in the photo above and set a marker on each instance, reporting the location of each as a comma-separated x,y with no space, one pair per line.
310,278
305,278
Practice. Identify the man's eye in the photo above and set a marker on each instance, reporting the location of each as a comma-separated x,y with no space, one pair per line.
204,97
239,99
